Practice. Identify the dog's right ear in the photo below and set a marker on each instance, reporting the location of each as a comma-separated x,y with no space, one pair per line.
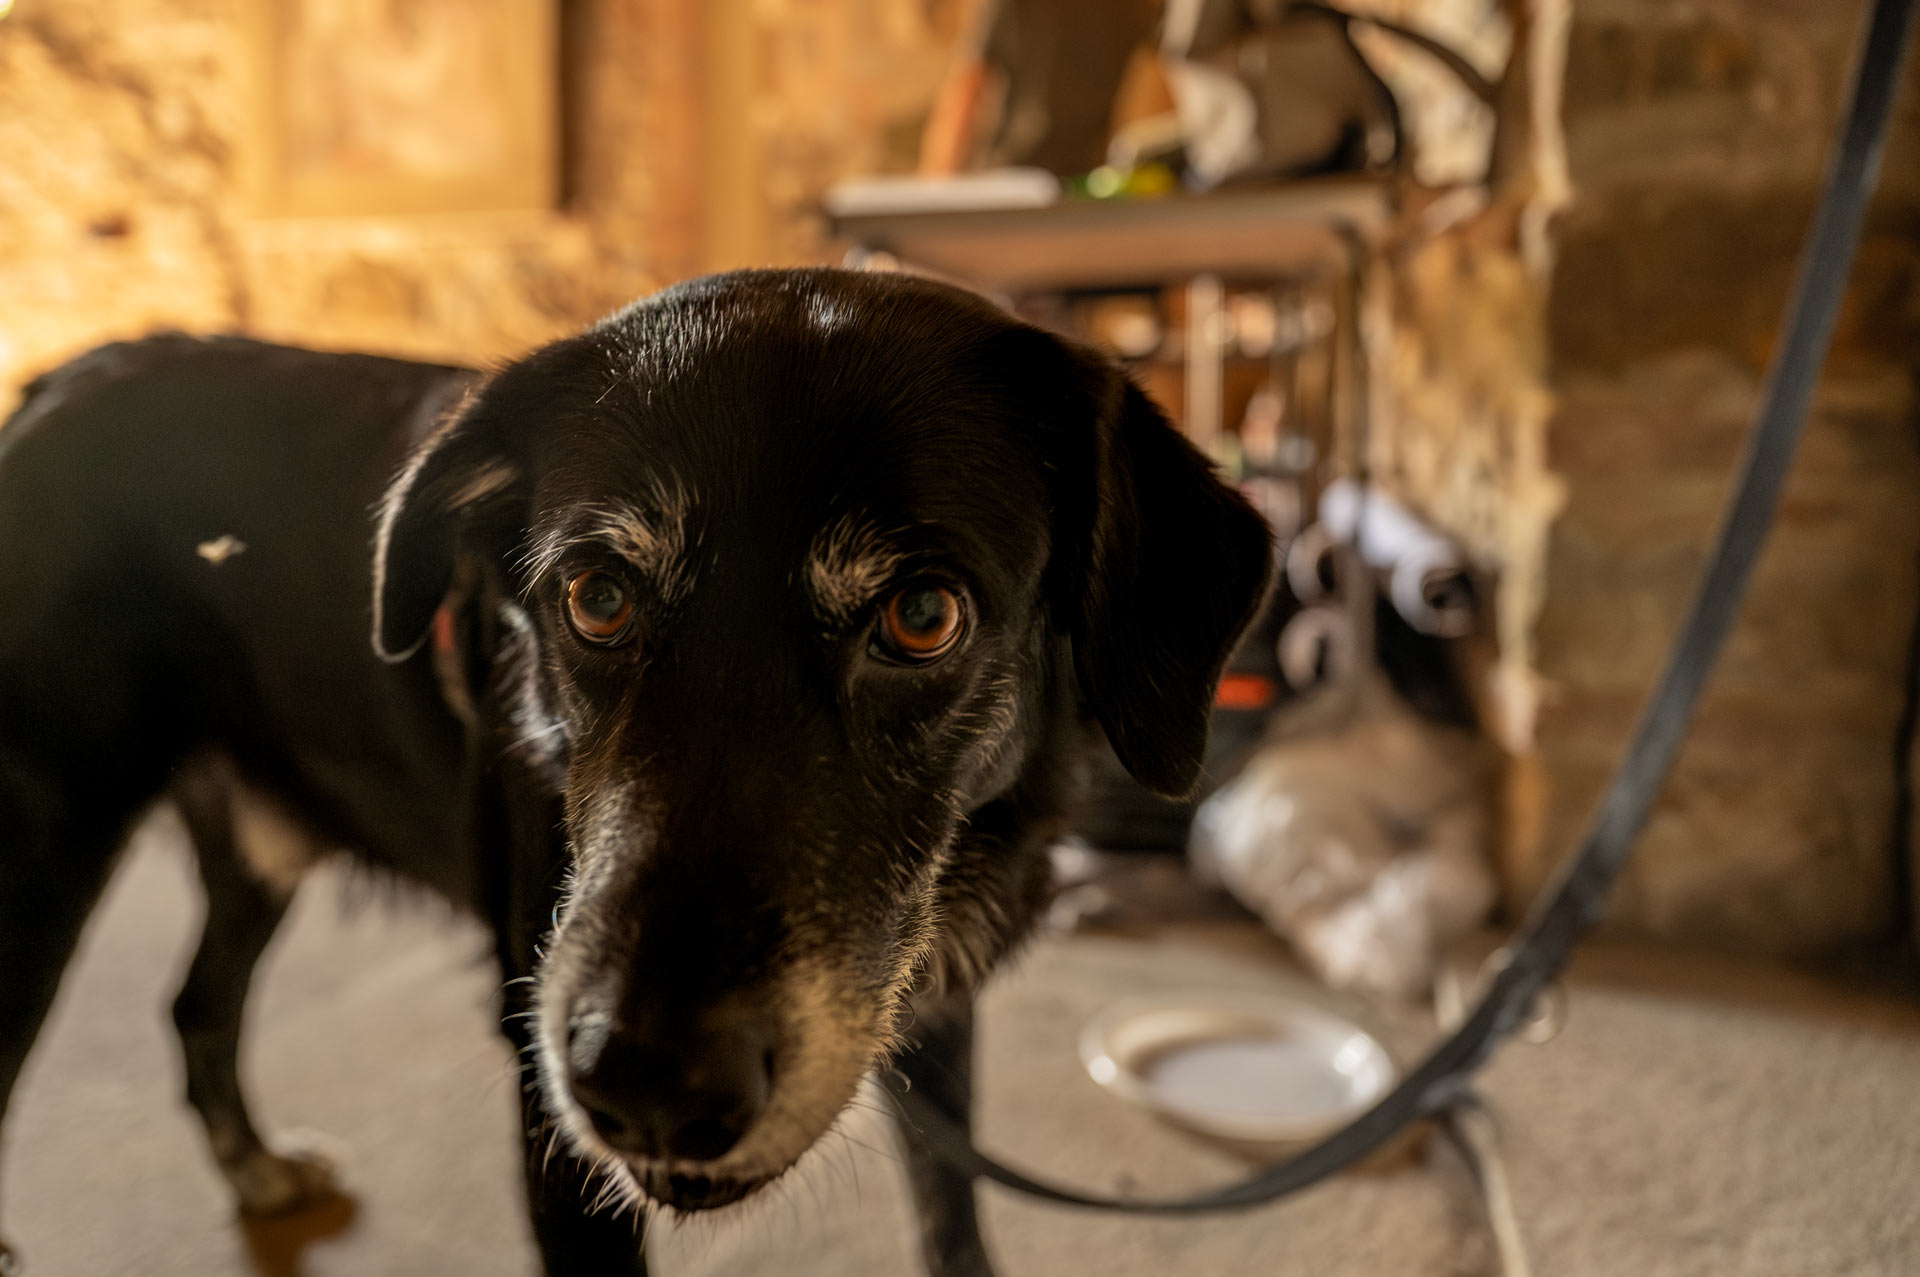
467,479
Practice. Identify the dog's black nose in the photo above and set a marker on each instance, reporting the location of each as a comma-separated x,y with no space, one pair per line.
689,1094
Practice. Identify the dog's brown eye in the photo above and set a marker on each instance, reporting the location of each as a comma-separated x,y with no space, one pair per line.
922,621
599,607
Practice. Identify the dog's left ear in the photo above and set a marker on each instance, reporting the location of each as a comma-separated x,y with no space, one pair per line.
464,483
1173,563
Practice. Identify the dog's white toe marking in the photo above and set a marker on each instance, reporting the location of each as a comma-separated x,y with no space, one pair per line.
300,1170
220,549
273,844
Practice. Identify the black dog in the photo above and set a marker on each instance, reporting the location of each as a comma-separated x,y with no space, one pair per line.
734,660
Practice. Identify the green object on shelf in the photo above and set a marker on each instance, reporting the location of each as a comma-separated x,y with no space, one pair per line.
1136,182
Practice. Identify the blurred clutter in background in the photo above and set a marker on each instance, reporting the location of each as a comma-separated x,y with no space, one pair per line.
1325,238
1215,193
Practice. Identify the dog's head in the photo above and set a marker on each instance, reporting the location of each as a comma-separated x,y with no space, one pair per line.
816,564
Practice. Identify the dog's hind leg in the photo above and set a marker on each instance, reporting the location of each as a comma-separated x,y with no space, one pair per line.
938,1071
56,853
249,862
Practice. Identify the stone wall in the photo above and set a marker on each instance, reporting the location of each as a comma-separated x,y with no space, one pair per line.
124,126
697,136
1696,134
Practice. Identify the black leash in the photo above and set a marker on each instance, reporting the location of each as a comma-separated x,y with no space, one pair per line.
1562,916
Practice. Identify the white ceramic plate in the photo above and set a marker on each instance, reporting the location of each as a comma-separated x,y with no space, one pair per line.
1242,1066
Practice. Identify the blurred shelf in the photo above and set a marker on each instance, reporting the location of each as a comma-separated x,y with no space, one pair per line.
1296,229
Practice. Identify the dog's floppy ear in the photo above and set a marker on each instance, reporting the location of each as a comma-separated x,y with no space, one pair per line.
465,477
1173,563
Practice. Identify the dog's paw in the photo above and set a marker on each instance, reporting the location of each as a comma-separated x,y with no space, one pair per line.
10,1265
300,1171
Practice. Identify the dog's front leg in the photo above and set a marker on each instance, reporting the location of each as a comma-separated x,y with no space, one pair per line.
523,862
937,1068
574,1239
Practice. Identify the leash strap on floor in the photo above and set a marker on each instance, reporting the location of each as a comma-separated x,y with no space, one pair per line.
1564,914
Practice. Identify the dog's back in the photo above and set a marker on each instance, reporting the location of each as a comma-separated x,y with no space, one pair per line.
169,591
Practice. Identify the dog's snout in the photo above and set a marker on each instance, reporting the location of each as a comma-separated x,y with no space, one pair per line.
690,1094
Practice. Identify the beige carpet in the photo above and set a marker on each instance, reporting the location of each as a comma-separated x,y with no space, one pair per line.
1695,1117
